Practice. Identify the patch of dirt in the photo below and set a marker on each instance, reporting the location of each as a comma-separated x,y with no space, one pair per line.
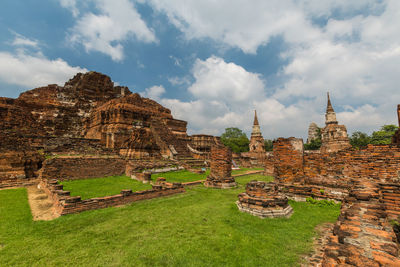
319,242
41,205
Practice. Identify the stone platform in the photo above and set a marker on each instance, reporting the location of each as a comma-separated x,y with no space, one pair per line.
263,200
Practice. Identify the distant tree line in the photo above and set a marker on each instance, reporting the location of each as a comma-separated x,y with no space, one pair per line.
382,137
237,140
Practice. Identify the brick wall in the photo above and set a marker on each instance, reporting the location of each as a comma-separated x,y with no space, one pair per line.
380,162
63,203
288,158
70,168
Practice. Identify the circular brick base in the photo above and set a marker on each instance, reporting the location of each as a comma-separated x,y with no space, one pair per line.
268,212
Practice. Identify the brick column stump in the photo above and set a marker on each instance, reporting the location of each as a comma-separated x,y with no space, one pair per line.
221,167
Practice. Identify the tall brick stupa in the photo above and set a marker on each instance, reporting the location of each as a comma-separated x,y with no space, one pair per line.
333,136
256,140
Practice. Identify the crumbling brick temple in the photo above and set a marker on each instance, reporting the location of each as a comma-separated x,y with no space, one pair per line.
221,168
89,128
264,200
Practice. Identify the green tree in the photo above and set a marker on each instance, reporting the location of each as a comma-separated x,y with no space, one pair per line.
235,139
314,144
359,139
268,145
384,136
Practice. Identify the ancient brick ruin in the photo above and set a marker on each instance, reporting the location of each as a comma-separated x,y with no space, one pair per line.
90,128
60,129
333,136
367,183
264,200
220,169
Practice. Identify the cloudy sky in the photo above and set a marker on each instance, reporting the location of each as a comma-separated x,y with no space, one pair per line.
213,62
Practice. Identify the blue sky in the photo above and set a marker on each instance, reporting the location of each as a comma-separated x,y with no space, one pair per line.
213,62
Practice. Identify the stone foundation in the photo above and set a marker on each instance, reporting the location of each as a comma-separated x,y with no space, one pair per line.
263,200
221,167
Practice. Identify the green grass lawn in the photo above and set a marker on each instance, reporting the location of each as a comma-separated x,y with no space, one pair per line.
181,176
184,176
100,187
201,227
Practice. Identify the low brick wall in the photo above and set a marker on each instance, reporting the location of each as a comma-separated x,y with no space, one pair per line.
70,168
64,204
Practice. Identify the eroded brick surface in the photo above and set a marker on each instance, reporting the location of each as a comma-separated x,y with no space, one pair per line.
363,235
221,168
264,200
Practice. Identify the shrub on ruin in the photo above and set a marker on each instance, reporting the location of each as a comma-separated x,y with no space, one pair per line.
322,202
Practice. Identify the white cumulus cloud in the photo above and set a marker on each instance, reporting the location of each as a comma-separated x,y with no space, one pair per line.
31,71
350,48
154,92
105,32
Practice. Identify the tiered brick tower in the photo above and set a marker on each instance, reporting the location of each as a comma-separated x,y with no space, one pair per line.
333,136
256,140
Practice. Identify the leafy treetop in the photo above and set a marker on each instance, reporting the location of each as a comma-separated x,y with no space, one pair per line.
235,139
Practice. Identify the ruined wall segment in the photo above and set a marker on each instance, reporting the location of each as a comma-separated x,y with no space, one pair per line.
288,159
221,168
